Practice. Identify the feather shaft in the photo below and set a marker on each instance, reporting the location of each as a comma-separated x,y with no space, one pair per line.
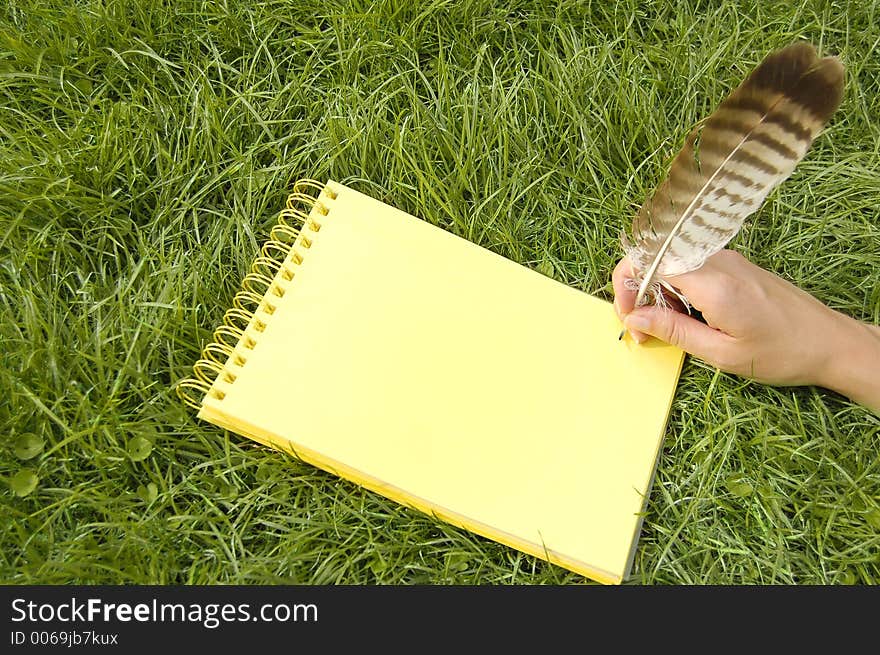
731,161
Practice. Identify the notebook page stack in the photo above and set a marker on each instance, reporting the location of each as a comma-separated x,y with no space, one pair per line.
446,377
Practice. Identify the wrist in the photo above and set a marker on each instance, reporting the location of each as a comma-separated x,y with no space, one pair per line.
853,368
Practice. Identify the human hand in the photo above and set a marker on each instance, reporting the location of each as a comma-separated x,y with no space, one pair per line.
761,327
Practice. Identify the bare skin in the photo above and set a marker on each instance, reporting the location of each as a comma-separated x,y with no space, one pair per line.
761,327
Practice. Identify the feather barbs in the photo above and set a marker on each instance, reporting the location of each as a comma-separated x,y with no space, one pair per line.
731,161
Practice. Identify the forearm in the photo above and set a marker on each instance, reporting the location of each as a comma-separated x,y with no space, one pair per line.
854,369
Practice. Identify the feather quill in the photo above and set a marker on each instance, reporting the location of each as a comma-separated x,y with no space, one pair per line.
729,164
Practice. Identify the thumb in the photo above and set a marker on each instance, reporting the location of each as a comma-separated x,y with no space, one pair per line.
679,330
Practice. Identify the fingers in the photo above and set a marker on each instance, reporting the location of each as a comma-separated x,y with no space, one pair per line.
706,287
624,299
681,331
711,289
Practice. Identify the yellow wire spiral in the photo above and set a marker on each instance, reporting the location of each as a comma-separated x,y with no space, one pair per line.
259,291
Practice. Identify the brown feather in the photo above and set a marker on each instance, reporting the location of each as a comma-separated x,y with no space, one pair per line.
732,160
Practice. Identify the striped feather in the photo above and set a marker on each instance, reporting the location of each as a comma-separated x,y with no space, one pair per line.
731,161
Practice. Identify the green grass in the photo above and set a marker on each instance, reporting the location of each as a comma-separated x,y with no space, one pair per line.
148,146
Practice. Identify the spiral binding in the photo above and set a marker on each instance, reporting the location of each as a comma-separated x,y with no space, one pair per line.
271,272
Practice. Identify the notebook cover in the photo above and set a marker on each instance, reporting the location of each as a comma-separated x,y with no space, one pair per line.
454,381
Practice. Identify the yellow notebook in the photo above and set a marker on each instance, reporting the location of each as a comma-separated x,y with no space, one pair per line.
439,374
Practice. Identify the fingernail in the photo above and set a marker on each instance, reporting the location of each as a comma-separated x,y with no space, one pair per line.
636,322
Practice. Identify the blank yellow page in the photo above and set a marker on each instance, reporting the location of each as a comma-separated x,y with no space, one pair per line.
453,380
